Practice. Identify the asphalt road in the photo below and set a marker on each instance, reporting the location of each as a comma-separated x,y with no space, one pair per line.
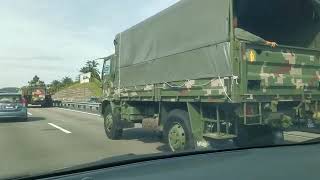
56,138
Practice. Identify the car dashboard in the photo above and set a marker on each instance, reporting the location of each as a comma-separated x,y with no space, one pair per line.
286,162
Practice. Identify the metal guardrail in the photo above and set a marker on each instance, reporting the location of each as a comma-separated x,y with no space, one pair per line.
81,106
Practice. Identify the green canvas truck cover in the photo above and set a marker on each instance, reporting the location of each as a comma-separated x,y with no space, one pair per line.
186,41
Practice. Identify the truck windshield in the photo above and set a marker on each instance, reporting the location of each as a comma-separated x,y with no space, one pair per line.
106,68
287,22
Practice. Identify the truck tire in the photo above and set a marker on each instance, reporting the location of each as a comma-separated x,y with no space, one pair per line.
112,125
267,136
242,139
278,137
258,136
177,132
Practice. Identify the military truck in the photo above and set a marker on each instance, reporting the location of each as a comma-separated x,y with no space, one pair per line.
203,71
37,95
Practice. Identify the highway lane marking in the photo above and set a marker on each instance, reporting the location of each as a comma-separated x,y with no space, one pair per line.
60,128
29,114
80,112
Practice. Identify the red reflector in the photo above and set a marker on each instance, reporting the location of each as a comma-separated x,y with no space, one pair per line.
249,110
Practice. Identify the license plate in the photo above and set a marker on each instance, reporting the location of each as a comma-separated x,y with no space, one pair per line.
10,107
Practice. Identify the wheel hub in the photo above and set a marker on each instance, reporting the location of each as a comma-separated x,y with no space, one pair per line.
177,138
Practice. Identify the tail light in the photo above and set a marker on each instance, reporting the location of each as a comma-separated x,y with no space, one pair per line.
23,102
249,110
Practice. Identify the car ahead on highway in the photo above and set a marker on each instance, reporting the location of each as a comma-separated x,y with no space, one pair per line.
13,105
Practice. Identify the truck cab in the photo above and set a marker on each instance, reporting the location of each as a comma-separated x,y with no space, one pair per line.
108,75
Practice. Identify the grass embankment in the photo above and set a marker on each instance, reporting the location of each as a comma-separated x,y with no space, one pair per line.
94,87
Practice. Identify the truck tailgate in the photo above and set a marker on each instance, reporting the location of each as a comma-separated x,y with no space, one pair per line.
282,70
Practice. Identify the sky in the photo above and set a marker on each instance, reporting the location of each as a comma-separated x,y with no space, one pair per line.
54,38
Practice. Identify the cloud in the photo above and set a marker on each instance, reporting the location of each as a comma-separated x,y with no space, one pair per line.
33,58
29,46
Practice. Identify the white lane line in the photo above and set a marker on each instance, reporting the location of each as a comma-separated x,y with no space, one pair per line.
80,112
60,128
29,114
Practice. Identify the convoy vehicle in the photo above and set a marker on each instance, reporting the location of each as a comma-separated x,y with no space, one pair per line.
188,73
12,105
37,95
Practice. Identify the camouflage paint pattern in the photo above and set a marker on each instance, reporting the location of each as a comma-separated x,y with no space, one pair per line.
283,70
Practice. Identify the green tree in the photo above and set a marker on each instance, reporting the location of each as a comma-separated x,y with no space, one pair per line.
36,81
85,70
35,78
55,86
67,81
91,67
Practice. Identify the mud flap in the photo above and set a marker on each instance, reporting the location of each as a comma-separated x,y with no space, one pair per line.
197,125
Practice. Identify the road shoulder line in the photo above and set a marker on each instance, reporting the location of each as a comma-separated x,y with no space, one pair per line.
80,112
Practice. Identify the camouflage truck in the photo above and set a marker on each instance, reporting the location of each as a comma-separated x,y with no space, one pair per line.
202,72
37,95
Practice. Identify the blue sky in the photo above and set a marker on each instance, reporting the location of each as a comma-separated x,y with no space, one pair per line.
54,38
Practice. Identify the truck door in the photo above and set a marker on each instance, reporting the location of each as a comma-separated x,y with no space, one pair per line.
107,77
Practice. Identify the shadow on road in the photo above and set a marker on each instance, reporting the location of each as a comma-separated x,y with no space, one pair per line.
15,120
163,148
31,119
146,136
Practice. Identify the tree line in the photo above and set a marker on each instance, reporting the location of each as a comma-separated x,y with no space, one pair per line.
89,67
57,85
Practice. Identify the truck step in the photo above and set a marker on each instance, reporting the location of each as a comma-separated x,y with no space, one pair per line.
219,136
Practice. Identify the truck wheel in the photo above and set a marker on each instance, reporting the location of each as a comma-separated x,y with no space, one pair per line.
278,137
242,139
112,124
267,136
258,136
177,131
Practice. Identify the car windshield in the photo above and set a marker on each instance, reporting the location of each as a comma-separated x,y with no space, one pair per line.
9,98
93,82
